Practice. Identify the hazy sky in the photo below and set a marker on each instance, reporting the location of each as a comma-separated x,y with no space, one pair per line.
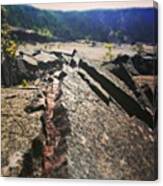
91,5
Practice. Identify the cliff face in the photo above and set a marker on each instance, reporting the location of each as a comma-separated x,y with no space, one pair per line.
94,121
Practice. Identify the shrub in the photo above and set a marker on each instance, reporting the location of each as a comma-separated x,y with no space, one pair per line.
24,83
139,48
109,53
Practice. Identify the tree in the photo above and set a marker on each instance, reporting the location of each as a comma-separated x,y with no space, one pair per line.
8,45
8,52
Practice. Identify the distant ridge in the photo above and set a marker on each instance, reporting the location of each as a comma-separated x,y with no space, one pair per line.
114,25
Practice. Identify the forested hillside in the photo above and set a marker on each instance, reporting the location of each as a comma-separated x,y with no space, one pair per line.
121,25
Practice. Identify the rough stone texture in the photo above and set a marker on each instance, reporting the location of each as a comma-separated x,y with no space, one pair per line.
17,127
103,142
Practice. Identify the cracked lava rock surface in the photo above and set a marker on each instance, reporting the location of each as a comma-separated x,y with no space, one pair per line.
104,142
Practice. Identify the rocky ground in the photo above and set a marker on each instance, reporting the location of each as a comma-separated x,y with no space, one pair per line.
99,137
18,128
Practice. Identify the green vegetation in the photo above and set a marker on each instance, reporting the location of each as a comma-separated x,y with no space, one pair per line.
9,46
44,32
109,53
25,83
129,25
